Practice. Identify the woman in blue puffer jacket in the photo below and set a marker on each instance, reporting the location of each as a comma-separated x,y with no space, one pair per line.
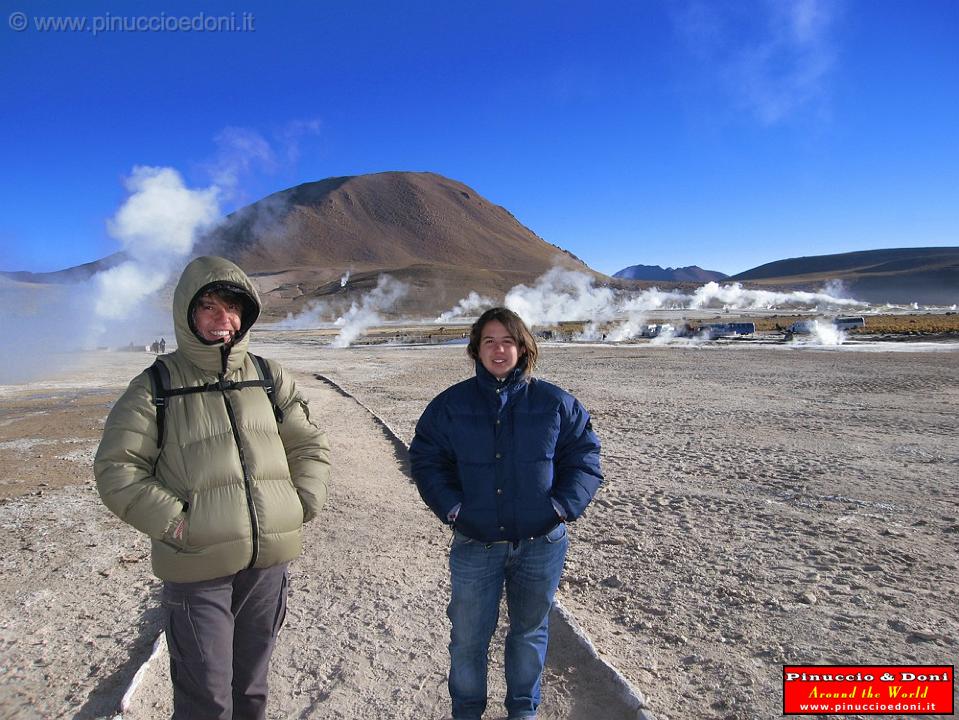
507,460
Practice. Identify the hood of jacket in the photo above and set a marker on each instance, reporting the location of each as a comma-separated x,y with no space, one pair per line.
201,276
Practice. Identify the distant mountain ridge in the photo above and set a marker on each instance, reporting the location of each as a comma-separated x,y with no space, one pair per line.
898,275
690,273
444,240
75,274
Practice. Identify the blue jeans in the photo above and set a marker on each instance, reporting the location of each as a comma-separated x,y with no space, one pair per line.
530,570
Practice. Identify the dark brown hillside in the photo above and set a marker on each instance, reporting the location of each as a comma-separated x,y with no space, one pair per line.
433,289
898,275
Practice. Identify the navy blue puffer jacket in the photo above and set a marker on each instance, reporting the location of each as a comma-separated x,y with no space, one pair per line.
505,450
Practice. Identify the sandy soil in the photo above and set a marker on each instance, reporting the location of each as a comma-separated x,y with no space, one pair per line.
366,630
762,506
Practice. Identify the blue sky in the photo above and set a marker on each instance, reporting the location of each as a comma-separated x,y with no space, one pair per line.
673,133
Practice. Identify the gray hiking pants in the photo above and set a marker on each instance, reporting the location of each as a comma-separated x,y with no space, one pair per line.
220,634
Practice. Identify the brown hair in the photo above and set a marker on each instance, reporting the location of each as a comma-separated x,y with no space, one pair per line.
525,342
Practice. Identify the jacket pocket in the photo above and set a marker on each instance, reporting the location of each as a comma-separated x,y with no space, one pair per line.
280,616
182,639
556,534
460,539
218,514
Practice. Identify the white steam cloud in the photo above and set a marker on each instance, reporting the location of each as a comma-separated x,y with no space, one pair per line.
365,313
239,151
819,331
735,297
156,227
161,215
316,314
562,294
826,333
242,151
465,307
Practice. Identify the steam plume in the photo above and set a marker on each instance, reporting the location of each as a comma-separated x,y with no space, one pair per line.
364,314
562,294
156,227
467,306
314,315
735,297
821,332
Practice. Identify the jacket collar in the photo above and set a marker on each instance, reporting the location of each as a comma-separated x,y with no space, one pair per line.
508,386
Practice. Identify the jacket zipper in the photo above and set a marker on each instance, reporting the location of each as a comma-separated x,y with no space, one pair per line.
246,480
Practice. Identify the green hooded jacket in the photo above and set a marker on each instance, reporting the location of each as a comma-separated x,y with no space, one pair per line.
244,483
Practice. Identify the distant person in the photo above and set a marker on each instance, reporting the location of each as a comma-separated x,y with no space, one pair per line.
221,473
507,460
162,345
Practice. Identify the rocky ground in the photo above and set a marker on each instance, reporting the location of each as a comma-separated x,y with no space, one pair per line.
762,506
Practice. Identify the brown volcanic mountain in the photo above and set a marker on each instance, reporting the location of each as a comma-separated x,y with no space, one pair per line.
390,219
897,275
436,234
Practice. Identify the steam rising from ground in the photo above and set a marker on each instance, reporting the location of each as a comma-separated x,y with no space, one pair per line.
156,227
313,315
570,295
821,332
735,297
469,305
562,294
364,314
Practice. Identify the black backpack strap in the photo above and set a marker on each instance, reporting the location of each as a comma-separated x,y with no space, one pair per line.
160,384
266,375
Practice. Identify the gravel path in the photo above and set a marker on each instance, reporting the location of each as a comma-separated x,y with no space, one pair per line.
762,506
366,630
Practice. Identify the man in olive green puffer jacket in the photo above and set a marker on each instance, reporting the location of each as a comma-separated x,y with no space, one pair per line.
223,499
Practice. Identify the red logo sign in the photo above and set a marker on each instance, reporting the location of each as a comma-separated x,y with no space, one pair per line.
868,689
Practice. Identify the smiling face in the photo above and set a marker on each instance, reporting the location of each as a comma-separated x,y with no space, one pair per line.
216,319
498,350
